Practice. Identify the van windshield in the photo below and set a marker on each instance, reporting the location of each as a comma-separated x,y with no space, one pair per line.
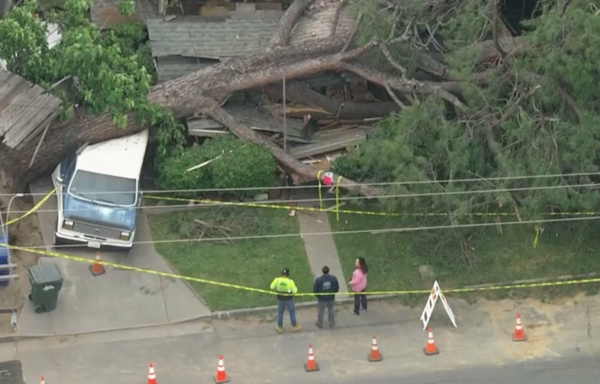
104,188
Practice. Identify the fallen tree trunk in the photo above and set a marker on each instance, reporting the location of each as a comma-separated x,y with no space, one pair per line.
301,93
183,96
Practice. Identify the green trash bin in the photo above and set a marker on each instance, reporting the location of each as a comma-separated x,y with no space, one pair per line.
46,282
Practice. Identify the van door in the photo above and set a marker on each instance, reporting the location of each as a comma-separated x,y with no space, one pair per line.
61,177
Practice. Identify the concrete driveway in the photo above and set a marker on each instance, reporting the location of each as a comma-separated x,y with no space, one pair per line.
118,299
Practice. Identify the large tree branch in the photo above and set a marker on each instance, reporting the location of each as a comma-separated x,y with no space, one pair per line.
182,95
445,89
301,93
288,21
304,171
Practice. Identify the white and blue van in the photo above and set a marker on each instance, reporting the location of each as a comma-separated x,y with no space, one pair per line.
98,193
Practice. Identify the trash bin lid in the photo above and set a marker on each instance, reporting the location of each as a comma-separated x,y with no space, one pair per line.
45,274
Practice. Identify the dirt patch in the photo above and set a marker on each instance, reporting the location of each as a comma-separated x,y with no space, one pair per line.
25,232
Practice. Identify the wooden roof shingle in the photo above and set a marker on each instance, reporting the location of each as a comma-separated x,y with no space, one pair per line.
25,109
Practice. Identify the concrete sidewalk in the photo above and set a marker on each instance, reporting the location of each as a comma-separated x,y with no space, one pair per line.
255,354
116,300
320,250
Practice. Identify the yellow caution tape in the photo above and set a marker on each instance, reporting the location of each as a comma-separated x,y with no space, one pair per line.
32,210
321,209
269,206
259,290
349,211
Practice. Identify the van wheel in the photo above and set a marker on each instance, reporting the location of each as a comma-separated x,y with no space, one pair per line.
30,297
39,309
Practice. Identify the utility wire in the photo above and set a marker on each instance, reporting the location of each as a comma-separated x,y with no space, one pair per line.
202,203
393,183
353,232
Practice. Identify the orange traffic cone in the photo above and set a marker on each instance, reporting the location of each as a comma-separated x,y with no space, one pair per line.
519,332
311,365
42,381
431,348
97,268
221,373
375,354
151,375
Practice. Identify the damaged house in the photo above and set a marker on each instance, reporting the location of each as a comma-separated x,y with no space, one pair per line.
184,44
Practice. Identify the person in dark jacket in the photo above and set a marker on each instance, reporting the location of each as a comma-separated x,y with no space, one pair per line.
326,284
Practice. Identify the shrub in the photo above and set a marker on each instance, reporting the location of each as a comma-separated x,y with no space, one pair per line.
241,165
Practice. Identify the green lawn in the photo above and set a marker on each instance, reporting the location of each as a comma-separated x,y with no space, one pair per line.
253,262
394,258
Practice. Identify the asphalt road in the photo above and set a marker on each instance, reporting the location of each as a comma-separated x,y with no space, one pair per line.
187,354
584,369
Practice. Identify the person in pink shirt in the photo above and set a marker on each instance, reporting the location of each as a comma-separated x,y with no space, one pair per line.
358,282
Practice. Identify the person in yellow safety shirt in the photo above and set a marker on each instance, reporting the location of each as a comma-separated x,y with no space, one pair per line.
286,289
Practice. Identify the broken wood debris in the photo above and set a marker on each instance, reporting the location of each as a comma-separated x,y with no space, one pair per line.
306,140
327,142
258,120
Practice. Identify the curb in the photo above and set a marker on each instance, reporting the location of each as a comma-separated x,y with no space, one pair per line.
218,315
16,338
273,308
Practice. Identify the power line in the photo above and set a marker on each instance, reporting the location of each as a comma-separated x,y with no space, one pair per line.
269,204
392,183
353,232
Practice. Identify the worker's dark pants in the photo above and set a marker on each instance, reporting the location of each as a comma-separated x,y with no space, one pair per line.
360,300
330,314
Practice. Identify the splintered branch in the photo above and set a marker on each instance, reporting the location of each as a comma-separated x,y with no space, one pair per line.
353,33
509,112
336,18
393,95
288,21
394,22
495,22
386,52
